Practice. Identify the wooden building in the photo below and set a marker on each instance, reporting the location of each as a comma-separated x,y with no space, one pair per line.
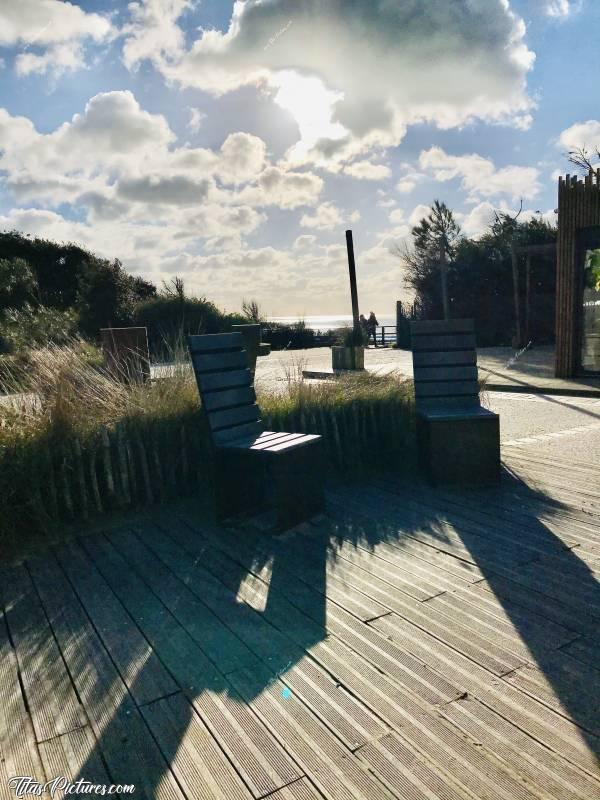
578,276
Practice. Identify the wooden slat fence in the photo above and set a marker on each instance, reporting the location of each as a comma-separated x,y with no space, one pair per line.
578,207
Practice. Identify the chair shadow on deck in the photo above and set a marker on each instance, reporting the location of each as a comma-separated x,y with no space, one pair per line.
563,676
224,618
228,616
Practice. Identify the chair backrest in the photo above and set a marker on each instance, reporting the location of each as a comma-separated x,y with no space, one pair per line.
225,385
445,364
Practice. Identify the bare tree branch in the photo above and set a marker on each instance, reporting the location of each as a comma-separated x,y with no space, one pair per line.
585,160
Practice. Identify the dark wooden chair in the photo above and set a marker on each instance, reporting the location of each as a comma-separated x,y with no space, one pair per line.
458,441
255,469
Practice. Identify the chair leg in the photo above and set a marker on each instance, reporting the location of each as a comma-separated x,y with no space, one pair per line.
295,484
239,483
460,451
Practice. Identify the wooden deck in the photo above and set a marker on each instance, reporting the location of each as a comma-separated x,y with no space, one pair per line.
412,644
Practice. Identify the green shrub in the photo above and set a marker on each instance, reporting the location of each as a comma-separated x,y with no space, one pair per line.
67,275
296,336
18,284
30,327
352,337
169,317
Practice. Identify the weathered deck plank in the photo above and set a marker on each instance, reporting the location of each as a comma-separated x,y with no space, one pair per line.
571,675
336,772
221,646
74,756
534,761
472,607
366,642
413,644
141,670
109,706
197,762
558,733
351,722
18,752
260,760
51,698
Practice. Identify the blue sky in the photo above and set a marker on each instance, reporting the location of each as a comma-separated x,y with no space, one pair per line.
234,145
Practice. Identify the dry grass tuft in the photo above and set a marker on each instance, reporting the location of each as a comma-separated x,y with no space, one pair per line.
77,441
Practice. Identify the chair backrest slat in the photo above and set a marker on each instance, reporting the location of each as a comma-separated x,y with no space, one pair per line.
216,362
250,431
227,398
452,358
447,403
445,364
443,373
215,341
213,381
225,384
428,327
229,417
439,342
445,388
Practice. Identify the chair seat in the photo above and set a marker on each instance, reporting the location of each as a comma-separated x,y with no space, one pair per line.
466,412
272,442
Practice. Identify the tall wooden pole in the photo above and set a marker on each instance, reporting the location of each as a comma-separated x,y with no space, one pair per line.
352,268
515,272
444,277
528,300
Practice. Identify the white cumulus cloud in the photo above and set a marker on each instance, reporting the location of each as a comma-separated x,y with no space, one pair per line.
581,134
382,75
328,216
55,28
480,177
558,9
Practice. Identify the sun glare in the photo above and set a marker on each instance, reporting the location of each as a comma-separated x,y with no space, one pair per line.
311,104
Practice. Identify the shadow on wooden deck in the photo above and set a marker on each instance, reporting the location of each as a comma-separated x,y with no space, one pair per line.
168,653
120,630
534,573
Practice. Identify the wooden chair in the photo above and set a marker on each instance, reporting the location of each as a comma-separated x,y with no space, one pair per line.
458,440
255,468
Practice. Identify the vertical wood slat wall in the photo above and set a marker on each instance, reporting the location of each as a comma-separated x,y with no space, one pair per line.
578,207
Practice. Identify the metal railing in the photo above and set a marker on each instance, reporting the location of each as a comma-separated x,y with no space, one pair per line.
385,335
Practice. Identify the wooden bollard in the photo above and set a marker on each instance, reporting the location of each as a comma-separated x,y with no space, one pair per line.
126,353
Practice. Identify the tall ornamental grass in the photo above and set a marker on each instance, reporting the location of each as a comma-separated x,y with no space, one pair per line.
77,442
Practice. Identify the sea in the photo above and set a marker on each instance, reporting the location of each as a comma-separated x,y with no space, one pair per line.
328,322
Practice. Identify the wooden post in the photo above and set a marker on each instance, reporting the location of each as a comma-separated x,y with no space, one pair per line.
515,272
352,269
528,300
444,277
578,208
126,353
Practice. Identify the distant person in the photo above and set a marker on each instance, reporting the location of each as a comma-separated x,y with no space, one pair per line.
372,328
362,321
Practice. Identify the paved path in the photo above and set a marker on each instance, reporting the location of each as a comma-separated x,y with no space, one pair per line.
412,644
558,426
566,428
532,371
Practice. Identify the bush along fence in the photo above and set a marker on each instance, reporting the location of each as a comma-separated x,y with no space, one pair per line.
54,478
